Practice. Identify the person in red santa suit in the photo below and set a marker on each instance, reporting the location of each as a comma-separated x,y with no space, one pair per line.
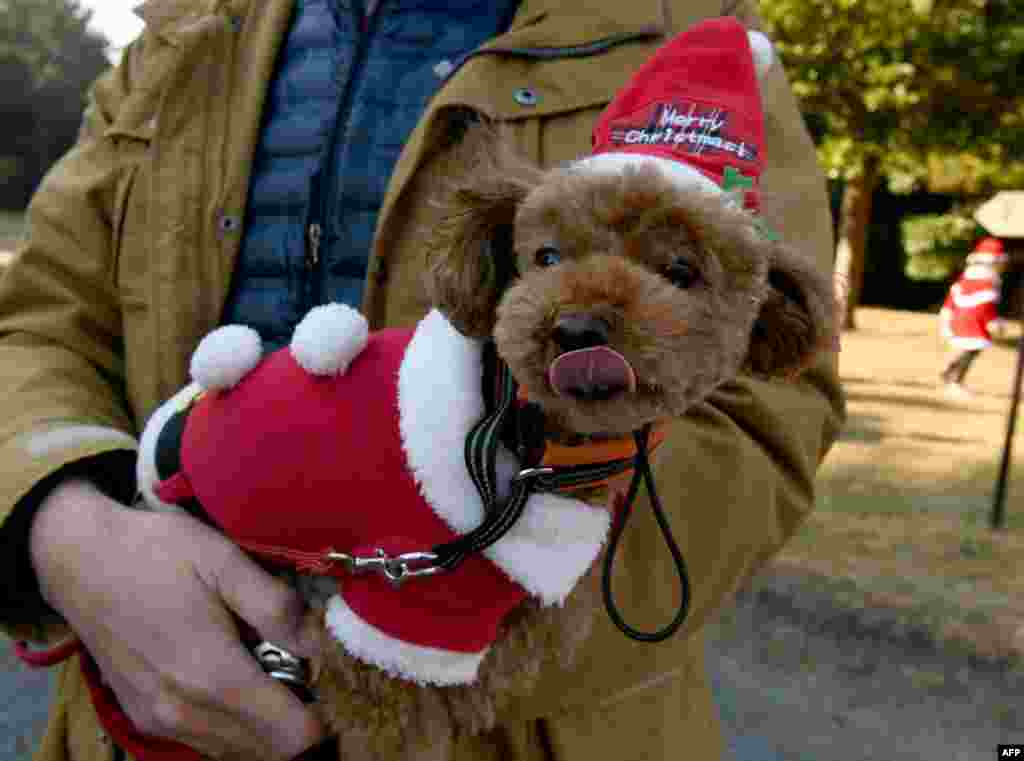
969,313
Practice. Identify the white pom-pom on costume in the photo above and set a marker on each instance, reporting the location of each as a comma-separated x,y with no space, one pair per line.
225,356
329,338
764,54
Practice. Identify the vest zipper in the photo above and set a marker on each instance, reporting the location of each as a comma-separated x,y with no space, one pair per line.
314,234
325,187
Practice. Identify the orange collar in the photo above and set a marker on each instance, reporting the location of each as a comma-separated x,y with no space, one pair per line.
594,452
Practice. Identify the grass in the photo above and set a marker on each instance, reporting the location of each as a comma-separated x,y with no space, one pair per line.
902,521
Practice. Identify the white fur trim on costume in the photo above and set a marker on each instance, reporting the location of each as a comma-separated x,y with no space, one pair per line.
682,175
226,356
329,338
145,468
416,663
439,399
764,54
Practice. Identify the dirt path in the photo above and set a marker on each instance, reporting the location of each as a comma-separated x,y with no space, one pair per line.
904,493
905,434
907,492
815,694
24,699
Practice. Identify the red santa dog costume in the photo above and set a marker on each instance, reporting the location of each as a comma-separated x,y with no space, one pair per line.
354,443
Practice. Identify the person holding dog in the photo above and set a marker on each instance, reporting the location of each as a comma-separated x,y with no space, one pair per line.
246,161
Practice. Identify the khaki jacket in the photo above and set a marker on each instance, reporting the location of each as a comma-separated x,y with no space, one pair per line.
132,241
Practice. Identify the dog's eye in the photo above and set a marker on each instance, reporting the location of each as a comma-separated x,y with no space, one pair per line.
682,274
547,256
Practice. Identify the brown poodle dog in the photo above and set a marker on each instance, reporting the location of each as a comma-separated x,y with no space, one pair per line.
677,290
683,286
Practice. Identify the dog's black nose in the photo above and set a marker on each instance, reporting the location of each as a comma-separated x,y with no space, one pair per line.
580,331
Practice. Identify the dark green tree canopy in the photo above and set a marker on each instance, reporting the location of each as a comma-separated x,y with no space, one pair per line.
911,82
48,59
917,93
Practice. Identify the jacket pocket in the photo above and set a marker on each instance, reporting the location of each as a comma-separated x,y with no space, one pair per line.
510,82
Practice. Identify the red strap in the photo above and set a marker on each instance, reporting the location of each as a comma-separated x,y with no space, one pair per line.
304,562
40,659
119,726
175,489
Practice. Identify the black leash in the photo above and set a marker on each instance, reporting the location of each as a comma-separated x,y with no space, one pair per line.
481,453
643,472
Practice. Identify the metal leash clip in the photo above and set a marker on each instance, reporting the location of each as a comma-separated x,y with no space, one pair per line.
395,569
530,474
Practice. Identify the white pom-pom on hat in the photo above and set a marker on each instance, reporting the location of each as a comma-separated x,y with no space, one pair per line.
329,338
225,356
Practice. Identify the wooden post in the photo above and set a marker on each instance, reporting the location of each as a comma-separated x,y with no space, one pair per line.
999,501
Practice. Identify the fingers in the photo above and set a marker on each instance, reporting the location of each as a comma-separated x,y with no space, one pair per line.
218,733
220,702
167,643
267,604
256,718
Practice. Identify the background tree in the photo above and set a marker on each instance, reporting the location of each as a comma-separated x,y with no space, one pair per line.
891,87
48,59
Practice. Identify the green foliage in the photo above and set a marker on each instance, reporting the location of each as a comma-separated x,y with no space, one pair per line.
910,81
48,59
49,40
936,244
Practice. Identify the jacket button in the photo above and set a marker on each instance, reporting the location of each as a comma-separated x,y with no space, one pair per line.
444,69
228,224
526,96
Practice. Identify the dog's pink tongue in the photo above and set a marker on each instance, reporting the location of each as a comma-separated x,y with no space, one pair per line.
593,373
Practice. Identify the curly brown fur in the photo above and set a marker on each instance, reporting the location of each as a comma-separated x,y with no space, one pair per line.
480,208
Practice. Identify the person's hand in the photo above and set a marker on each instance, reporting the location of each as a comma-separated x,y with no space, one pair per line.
150,595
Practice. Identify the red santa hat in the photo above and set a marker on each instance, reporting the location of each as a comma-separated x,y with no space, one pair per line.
989,251
694,111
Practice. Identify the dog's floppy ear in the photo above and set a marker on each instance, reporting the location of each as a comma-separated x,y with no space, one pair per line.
797,318
470,256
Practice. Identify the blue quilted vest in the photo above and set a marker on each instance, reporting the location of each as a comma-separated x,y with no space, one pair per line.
347,91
